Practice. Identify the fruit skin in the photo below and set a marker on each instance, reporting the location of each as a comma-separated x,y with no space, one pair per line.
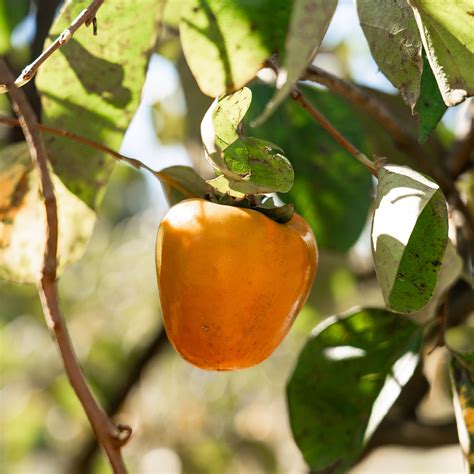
231,281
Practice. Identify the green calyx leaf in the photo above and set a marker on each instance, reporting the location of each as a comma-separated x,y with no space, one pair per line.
347,377
245,165
263,204
409,237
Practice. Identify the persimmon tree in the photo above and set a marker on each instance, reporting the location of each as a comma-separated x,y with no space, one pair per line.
377,158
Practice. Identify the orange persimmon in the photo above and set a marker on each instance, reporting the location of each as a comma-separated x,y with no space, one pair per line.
231,281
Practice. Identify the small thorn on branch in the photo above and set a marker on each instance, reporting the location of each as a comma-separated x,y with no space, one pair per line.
94,26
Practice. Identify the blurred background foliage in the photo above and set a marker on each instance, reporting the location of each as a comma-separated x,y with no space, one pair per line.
184,419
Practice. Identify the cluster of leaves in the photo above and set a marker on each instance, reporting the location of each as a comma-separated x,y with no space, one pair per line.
424,47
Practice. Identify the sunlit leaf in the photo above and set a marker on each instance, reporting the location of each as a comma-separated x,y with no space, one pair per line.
227,42
219,125
22,219
347,376
446,28
430,106
409,237
332,190
246,164
309,22
92,86
395,44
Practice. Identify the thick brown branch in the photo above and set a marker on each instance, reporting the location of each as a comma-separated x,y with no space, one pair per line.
86,17
298,97
110,436
400,136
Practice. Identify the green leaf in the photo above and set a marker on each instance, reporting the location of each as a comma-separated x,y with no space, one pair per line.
186,178
347,376
409,237
331,189
248,165
451,269
260,166
22,219
462,379
12,13
219,125
430,106
395,44
227,42
92,87
309,22
446,28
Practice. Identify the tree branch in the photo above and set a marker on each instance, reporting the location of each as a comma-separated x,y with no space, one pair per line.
298,97
400,136
161,175
82,463
111,437
86,17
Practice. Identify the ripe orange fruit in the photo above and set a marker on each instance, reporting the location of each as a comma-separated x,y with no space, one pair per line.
231,281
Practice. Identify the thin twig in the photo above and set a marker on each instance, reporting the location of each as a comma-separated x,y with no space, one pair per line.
297,96
161,175
400,136
358,96
86,17
111,437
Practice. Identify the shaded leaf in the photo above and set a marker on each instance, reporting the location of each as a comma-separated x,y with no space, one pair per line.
409,237
309,22
347,376
446,28
92,86
227,42
22,219
430,106
395,44
187,179
331,189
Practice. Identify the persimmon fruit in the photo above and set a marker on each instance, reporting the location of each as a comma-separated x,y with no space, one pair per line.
231,281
